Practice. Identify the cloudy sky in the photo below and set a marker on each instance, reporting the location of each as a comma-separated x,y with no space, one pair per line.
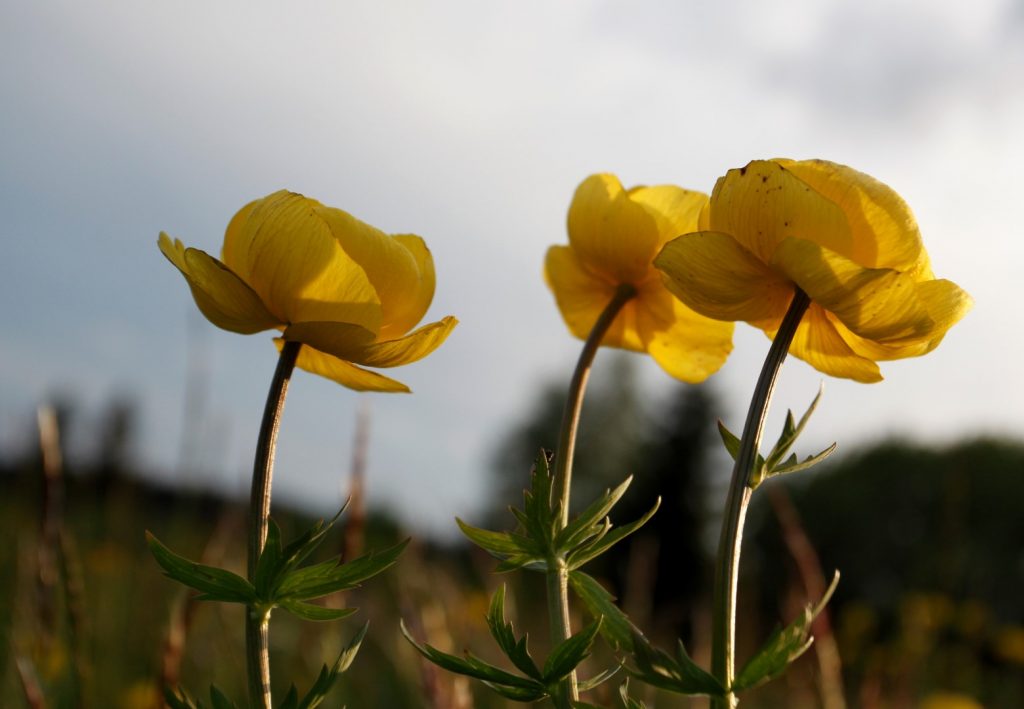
471,123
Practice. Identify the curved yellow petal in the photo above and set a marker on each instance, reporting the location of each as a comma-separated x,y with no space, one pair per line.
342,372
292,260
762,204
414,346
222,297
876,303
885,233
818,343
945,302
236,241
689,346
614,236
675,210
582,296
339,339
395,267
716,276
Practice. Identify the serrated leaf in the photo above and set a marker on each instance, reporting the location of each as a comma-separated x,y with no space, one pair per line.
219,700
601,544
627,701
472,666
214,583
517,694
597,680
499,544
792,466
538,516
515,650
299,549
783,647
328,676
584,525
269,565
790,432
732,445
332,576
310,611
617,629
569,653
682,675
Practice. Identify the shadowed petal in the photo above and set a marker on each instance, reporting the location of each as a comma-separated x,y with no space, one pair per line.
222,296
340,339
716,276
411,348
885,233
344,373
614,236
582,296
818,343
674,210
688,346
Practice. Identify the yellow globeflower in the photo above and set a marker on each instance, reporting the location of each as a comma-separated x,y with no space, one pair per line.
342,288
613,236
845,239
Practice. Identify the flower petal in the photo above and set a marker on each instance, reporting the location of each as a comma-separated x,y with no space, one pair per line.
675,210
945,302
876,303
339,339
688,346
342,372
614,236
400,270
885,233
762,204
222,296
818,343
292,260
582,296
405,350
716,276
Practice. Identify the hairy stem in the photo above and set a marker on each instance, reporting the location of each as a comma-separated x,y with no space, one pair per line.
257,621
723,631
558,573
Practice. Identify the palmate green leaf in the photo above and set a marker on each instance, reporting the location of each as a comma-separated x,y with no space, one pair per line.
515,650
616,628
569,653
680,675
213,583
472,666
783,647
539,518
791,465
503,545
332,576
586,524
268,567
791,431
597,546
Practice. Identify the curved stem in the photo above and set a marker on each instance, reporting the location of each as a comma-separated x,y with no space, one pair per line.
257,620
558,572
723,638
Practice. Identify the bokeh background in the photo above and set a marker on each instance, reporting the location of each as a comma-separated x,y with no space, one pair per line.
471,124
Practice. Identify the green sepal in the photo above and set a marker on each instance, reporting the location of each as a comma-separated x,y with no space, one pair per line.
332,576
784,646
214,584
606,539
569,653
680,675
617,629
310,611
515,650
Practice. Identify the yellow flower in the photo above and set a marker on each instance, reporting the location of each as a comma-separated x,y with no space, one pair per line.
342,288
850,242
613,236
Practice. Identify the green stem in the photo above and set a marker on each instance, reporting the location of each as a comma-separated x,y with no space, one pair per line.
257,621
723,637
558,573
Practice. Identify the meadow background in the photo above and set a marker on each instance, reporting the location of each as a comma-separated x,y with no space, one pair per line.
471,124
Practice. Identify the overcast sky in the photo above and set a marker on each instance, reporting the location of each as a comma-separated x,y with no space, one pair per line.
471,123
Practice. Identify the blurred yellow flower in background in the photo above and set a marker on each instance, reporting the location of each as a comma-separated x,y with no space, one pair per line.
848,241
613,236
347,291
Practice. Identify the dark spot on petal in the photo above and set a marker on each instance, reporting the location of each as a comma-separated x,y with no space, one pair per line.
743,171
